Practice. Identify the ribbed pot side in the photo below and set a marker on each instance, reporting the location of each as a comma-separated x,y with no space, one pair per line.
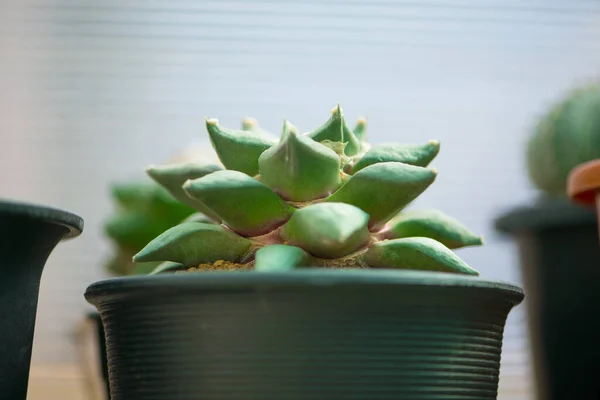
28,234
310,334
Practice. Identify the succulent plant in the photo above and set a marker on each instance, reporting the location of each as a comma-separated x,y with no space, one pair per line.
324,198
144,210
568,135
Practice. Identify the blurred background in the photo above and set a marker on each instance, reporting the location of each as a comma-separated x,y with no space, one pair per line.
92,92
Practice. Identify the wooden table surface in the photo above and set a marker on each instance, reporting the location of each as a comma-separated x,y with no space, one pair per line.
65,382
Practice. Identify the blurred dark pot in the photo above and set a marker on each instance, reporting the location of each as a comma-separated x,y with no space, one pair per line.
560,261
28,234
308,334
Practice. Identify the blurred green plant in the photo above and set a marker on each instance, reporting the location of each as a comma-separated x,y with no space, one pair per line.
144,210
566,136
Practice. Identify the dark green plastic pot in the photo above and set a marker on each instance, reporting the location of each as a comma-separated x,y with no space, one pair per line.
308,334
560,262
28,234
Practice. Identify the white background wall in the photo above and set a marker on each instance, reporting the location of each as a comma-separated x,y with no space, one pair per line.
91,92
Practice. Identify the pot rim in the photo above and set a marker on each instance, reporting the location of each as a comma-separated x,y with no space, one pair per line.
545,213
72,222
311,277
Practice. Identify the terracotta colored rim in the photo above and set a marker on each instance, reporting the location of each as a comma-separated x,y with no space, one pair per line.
583,183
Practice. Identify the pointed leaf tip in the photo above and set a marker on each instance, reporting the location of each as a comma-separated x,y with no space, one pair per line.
298,168
172,177
280,257
336,130
249,124
419,155
337,110
416,253
244,204
237,150
382,190
327,230
360,131
193,243
432,224
167,266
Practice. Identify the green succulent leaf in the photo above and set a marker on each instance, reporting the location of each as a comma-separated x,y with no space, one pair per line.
327,230
193,243
251,125
280,257
432,224
360,130
336,130
199,217
417,253
300,169
414,154
173,176
132,230
246,205
338,147
237,150
167,266
382,190
133,195
150,199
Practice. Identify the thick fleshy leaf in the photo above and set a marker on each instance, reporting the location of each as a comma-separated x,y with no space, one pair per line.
132,230
414,154
199,217
244,204
360,130
280,257
133,195
336,130
193,243
150,199
416,253
173,176
167,266
237,150
327,230
300,169
432,224
382,190
251,125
